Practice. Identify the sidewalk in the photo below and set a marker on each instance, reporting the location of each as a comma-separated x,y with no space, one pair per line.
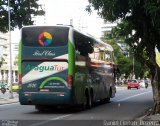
151,120
5,98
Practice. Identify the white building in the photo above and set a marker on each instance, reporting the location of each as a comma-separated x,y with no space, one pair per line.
107,27
4,54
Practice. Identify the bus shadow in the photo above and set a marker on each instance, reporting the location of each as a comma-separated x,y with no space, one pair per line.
58,110
69,110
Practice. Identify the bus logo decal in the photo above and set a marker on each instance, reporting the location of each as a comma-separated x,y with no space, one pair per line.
52,79
45,39
45,68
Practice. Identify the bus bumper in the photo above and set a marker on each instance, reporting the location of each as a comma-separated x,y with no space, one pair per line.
39,98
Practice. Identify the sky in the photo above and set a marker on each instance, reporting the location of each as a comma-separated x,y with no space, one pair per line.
62,11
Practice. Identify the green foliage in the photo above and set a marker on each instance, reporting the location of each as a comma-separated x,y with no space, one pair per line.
139,25
125,63
21,12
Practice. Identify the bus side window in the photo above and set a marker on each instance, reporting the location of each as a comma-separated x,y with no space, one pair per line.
78,41
81,47
83,44
108,56
89,45
101,55
75,43
85,47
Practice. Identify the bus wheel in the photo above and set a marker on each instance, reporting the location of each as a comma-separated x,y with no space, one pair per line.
89,101
107,100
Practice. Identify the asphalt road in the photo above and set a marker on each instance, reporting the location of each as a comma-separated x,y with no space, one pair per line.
127,105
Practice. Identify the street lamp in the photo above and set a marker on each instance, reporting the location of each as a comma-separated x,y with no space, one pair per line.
10,52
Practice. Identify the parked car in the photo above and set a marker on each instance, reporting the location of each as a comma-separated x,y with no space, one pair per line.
133,84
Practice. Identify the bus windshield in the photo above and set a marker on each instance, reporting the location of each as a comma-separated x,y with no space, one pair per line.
48,36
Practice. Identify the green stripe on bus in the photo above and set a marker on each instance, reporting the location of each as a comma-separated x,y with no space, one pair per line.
20,58
71,58
52,78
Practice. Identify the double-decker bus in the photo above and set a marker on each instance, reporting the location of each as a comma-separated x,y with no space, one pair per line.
60,66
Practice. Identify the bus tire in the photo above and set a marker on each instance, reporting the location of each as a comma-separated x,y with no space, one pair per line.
89,100
83,106
107,100
110,95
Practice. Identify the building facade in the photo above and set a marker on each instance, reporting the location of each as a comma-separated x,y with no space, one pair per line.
107,27
5,59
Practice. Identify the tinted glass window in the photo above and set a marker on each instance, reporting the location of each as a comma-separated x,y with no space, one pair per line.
83,44
133,81
47,36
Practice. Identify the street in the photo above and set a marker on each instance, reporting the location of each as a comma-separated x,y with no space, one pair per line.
127,105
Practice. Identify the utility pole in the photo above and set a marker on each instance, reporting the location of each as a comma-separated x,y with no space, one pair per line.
133,66
10,51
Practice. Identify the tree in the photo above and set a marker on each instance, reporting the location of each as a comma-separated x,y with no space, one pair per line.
125,62
140,26
21,12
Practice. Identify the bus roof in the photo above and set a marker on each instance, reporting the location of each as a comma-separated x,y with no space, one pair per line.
58,25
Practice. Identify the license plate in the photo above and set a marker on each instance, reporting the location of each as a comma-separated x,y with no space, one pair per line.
44,90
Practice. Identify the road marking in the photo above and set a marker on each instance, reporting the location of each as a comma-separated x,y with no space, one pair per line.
52,119
124,99
61,117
